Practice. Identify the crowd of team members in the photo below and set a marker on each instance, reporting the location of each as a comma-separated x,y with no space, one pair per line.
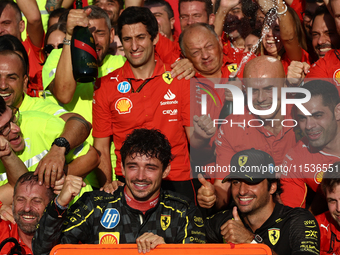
131,179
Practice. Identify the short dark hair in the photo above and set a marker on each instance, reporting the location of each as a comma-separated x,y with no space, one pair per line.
4,3
331,178
57,13
149,142
208,5
99,13
156,3
198,24
325,89
32,180
134,15
11,43
278,183
321,10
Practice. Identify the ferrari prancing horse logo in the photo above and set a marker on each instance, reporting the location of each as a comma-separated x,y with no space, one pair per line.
165,221
242,160
274,235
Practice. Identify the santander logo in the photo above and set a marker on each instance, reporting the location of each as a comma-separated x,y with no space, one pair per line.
169,95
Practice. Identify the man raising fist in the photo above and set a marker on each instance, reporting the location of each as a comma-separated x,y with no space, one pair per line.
257,217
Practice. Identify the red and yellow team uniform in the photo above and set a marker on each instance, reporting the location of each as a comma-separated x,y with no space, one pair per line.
36,59
329,234
163,103
9,229
327,67
170,52
302,167
238,137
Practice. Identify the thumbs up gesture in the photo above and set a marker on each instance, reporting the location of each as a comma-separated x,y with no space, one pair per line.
233,231
206,193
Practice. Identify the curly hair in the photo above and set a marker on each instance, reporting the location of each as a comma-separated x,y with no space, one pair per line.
149,142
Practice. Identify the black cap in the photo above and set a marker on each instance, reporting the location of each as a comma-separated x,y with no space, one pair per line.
252,166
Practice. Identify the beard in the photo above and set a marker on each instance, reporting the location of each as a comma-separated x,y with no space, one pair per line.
27,228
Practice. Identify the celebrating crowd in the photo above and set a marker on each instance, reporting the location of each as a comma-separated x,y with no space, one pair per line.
209,122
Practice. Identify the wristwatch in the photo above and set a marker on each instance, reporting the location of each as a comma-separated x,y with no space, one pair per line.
62,142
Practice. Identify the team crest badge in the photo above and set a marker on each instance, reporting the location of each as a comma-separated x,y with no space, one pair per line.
336,77
165,221
232,68
242,160
167,77
123,105
274,235
109,237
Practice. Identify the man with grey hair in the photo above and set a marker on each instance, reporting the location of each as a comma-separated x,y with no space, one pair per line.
29,202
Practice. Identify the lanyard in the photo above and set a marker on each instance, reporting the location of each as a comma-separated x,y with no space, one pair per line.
140,87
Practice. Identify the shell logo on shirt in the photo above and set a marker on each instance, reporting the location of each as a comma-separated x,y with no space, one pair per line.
318,177
274,235
336,77
123,105
165,221
109,238
167,77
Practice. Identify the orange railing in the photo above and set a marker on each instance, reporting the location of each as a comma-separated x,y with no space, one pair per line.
164,249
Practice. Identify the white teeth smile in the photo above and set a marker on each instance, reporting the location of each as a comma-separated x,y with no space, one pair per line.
246,199
325,49
141,185
5,95
28,217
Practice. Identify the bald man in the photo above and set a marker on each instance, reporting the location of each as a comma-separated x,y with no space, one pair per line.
262,132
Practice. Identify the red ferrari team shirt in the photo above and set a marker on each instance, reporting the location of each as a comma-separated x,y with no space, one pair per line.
9,229
170,52
303,166
36,59
162,103
240,133
286,61
327,67
329,234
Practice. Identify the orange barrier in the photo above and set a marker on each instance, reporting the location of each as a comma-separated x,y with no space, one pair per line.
164,249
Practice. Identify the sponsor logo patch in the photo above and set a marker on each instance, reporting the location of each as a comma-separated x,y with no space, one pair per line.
123,105
124,87
170,112
110,218
336,77
169,95
318,177
109,238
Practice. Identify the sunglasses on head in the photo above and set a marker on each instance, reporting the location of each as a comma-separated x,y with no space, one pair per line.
49,47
